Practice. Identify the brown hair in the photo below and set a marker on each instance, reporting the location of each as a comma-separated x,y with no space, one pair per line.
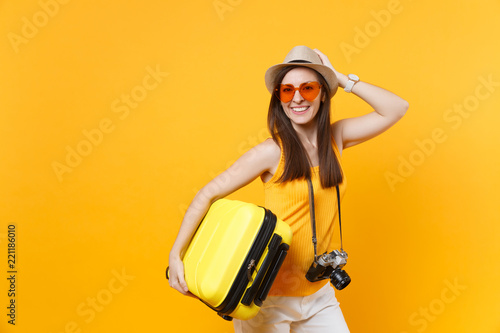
297,164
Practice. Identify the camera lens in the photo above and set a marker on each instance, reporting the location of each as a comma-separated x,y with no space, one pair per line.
340,279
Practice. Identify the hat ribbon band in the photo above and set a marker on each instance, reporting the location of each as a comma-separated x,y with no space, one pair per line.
300,61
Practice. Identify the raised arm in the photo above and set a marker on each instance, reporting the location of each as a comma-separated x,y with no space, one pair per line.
258,160
388,109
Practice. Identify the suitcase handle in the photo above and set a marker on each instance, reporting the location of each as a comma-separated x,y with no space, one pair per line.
266,266
271,275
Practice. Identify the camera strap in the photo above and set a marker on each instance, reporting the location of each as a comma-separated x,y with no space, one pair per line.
313,217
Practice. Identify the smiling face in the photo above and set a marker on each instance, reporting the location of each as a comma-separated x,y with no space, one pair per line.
299,110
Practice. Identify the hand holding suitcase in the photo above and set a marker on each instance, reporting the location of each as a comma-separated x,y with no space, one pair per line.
234,256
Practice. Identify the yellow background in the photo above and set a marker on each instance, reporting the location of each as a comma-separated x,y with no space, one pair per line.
118,211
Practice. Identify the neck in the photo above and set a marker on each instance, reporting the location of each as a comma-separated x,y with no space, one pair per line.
307,133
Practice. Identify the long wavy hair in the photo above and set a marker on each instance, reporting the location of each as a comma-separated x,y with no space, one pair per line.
297,163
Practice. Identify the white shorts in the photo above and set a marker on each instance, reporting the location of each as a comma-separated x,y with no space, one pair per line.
319,312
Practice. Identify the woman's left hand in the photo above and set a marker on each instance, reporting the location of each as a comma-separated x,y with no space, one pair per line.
326,62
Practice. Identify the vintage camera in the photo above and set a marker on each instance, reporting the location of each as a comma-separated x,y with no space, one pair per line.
329,265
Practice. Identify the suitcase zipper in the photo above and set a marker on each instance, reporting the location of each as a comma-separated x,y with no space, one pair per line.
241,281
260,278
250,268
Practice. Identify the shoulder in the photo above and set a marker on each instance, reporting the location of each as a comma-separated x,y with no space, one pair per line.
270,154
269,150
270,146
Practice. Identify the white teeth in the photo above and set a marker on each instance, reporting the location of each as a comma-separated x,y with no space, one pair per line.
300,109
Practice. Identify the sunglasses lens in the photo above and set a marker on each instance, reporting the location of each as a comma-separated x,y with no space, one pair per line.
286,92
309,90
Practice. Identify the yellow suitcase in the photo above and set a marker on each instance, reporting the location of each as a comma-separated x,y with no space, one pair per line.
234,257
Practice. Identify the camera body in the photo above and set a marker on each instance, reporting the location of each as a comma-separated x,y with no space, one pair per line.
329,265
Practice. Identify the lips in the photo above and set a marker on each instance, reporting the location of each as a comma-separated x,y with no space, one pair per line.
299,109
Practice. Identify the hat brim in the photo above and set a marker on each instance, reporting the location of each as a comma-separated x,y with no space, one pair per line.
327,73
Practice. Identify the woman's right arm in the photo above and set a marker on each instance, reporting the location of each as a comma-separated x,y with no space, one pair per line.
258,160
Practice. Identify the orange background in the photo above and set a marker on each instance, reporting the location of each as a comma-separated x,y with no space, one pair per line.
157,97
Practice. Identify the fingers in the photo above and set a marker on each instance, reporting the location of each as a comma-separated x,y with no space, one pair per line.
183,285
176,276
320,54
178,283
324,59
179,286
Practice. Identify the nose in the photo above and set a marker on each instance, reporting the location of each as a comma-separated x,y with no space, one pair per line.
297,97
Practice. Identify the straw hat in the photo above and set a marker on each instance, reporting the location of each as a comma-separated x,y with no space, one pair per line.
305,57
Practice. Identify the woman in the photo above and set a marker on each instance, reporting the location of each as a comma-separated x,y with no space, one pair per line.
304,145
